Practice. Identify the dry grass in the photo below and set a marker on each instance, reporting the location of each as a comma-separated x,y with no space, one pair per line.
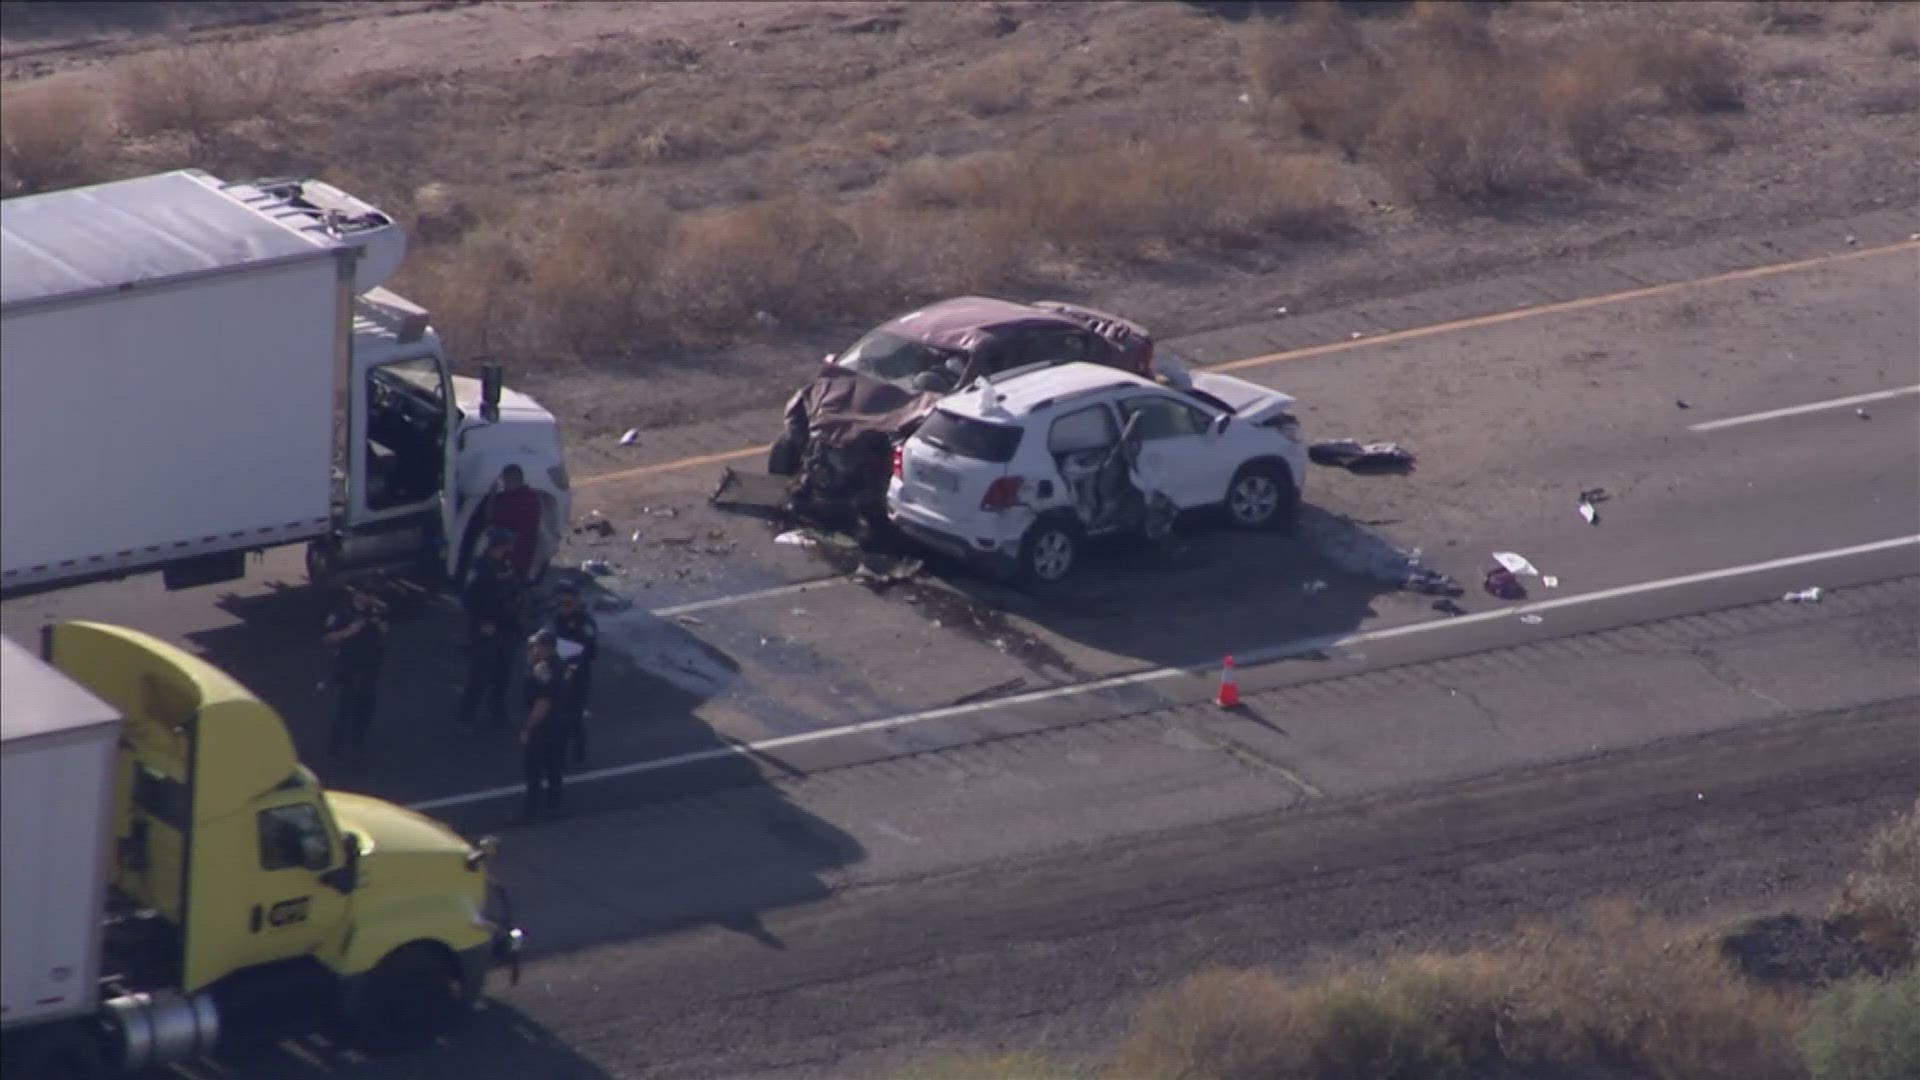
51,140
1450,109
207,95
1883,896
1625,992
1867,1029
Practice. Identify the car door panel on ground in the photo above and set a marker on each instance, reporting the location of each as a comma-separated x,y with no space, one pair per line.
1180,455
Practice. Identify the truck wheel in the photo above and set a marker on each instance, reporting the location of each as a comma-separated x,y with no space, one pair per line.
405,1002
62,1051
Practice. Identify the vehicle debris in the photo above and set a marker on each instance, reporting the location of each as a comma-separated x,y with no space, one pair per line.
755,493
1446,606
1550,581
1587,511
1501,583
1531,619
1862,414
689,620
1356,456
1431,583
596,524
632,436
796,538
1311,587
1804,596
597,568
1515,563
1682,404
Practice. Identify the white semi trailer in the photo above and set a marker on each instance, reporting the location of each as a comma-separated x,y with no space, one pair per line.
192,370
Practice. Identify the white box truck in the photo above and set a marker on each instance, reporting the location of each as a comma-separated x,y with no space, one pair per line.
176,881
192,370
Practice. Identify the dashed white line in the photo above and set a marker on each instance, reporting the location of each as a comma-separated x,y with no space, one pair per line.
1796,410
1277,652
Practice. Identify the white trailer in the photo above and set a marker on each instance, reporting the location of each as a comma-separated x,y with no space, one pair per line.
191,370
57,749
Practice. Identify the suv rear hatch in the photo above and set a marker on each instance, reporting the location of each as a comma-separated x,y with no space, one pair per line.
953,462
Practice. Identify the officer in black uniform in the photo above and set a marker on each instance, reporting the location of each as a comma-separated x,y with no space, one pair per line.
357,631
572,622
543,737
493,599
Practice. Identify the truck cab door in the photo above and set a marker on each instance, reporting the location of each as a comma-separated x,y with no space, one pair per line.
274,904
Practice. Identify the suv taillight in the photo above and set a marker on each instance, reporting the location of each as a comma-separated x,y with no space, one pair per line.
1001,494
899,462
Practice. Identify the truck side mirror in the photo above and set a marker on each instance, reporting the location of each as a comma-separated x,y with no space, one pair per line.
346,877
492,378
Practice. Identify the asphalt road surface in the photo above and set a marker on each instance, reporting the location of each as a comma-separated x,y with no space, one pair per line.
830,825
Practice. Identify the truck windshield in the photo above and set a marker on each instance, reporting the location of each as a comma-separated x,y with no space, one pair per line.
419,377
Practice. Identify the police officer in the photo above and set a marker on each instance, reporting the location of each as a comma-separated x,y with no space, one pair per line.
573,623
543,737
493,599
357,631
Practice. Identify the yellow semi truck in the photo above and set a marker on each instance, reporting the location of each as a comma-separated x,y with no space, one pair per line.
176,880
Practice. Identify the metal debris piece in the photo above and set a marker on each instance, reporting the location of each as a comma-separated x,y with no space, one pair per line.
1531,619
597,568
632,436
689,620
635,538
1862,414
796,538
1360,457
1683,404
1550,581
1515,563
1587,511
1804,596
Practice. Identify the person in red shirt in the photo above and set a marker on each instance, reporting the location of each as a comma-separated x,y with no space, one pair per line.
516,508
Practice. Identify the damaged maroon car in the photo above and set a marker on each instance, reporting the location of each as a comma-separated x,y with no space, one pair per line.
842,428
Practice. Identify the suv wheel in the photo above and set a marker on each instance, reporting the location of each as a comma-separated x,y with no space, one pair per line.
1048,552
1262,496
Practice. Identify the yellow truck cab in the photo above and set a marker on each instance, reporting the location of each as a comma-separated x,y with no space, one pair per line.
245,900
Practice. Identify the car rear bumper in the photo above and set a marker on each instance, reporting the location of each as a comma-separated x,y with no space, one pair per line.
997,539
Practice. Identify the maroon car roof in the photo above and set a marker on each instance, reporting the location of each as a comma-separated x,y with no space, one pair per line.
955,324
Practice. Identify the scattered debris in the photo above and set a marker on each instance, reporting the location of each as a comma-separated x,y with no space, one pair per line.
596,524
905,570
1862,414
1804,596
1531,619
1356,456
632,436
1448,607
757,493
1515,563
635,538
1550,581
800,611
1587,511
1595,495
1311,587
1683,404
1852,241
597,568
689,620
1431,583
796,538
1280,310
1355,336
1501,583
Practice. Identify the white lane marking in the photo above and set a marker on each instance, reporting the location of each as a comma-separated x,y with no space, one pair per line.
1796,410
749,597
1207,667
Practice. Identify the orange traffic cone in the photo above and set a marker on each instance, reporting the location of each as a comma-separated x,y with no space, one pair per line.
1229,695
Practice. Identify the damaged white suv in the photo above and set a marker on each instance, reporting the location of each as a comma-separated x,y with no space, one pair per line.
1020,469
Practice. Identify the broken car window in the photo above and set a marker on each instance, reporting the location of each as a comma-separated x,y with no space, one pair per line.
971,438
891,357
1091,428
1164,418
